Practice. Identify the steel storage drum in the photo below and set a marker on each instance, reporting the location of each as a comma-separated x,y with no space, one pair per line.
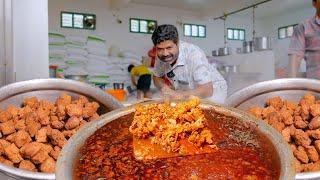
48,89
224,51
291,89
67,158
262,43
247,47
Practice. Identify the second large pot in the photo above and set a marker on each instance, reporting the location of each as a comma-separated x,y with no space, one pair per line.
66,161
291,89
262,43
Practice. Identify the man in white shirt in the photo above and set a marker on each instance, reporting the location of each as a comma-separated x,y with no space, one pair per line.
182,69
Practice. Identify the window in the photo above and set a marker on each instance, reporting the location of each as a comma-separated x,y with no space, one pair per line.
193,30
78,20
142,25
286,32
236,34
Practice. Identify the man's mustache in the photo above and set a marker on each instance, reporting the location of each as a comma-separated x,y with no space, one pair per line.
166,57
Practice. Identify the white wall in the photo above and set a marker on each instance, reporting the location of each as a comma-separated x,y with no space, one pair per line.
271,25
118,34
30,39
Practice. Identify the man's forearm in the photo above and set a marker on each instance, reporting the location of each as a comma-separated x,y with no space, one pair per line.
158,82
202,91
294,64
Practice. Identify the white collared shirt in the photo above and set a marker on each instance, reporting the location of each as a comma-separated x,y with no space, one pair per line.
192,69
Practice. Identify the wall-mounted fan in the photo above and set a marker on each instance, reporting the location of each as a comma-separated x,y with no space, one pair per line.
89,22
151,26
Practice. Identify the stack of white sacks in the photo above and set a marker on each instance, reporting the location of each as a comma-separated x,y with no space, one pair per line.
57,51
89,55
97,56
113,65
76,55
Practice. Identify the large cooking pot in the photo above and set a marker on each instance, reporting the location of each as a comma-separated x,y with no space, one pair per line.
291,89
48,89
262,43
66,160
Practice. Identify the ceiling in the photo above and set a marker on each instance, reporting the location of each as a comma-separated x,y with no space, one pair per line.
215,8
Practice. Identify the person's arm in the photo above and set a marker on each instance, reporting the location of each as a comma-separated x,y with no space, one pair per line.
294,64
161,85
202,91
296,51
158,82
202,75
133,80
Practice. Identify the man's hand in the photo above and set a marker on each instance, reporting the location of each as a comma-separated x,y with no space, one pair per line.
168,93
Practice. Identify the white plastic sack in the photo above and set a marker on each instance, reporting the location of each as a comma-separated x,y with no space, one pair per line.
95,41
97,51
56,46
57,52
128,54
114,51
75,45
130,61
55,40
96,57
97,63
75,68
77,39
77,58
76,51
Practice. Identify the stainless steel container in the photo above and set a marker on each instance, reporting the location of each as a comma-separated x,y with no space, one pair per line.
247,47
215,53
48,89
118,85
290,89
262,43
239,50
81,78
224,51
65,163
231,68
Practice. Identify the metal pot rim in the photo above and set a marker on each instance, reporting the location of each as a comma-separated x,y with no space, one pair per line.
240,97
51,84
58,84
65,162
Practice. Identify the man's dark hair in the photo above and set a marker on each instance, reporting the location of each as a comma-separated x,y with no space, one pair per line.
314,0
165,32
130,67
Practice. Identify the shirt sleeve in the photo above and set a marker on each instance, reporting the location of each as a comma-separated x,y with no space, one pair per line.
200,68
297,44
133,72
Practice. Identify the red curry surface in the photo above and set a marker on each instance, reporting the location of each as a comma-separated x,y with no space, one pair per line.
243,153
